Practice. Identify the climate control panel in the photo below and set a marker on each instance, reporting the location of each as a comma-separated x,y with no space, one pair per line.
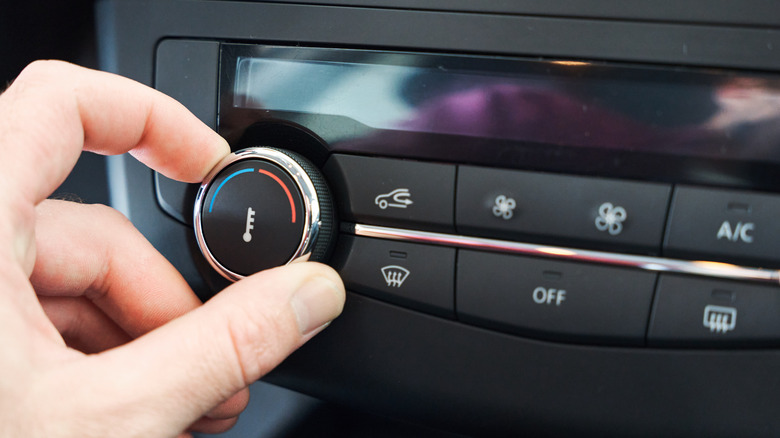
557,257
561,257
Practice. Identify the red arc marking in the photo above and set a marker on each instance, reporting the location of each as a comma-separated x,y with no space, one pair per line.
286,190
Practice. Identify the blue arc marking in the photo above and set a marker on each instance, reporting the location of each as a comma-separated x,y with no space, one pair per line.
219,187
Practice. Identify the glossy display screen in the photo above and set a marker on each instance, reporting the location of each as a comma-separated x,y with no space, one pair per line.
518,112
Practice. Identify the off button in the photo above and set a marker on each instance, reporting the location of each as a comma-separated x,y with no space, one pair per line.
549,299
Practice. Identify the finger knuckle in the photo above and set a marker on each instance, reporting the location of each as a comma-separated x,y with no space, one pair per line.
109,218
41,71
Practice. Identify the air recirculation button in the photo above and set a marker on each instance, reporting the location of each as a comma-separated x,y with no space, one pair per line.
261,208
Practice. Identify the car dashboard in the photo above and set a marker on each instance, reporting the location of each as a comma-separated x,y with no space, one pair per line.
552,218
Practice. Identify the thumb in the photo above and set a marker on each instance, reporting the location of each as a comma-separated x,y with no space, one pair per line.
180,371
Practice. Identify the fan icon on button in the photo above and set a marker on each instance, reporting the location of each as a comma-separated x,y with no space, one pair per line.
611,218
504,207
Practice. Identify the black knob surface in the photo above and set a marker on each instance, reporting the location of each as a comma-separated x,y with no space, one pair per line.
261,208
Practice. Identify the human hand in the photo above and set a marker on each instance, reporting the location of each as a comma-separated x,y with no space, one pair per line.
100,335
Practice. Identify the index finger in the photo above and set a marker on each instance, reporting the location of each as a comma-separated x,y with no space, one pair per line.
53,110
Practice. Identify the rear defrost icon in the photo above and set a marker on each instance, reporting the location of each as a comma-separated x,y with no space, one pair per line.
720,319
395,275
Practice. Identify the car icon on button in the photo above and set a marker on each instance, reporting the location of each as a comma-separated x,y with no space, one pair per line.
398,198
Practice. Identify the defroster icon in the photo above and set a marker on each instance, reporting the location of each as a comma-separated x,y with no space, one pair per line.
395,275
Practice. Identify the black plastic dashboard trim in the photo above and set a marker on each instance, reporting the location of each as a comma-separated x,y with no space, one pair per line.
746,12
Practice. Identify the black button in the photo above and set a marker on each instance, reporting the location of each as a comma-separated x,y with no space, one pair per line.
252,217
569,210
412,275
705,312
401,193
724,225
552,299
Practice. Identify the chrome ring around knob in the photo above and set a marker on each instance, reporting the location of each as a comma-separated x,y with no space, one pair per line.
293,166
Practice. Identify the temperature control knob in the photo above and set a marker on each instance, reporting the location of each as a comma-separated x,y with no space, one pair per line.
261,208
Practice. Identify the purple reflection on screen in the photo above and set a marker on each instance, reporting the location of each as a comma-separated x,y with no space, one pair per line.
722,116
516,112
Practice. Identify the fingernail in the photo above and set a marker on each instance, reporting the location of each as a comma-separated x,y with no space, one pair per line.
316,304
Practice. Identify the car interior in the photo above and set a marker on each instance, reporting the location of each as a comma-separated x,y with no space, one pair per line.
552,218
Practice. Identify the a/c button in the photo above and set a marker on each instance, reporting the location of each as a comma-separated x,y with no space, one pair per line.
724,225
564,301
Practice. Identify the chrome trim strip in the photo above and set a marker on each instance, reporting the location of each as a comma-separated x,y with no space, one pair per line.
648,263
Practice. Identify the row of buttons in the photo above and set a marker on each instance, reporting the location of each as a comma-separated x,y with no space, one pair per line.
561,300
589,212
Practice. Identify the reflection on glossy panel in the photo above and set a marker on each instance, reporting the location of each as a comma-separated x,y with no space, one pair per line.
573,104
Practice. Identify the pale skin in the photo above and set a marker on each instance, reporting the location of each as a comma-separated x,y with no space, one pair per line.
100,335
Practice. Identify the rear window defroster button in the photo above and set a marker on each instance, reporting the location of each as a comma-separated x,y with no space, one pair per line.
714,313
